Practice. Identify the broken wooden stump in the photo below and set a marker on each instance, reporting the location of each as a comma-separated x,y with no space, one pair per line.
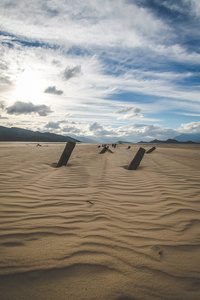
105,148
109,150
151,150
137,159
66,154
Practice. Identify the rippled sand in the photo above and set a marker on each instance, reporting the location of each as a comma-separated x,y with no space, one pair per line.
95,230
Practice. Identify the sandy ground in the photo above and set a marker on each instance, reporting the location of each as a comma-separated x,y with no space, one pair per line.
95,230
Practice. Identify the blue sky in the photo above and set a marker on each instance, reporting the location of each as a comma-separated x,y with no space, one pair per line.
107,70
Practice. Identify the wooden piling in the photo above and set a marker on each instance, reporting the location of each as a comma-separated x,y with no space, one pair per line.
105,148
66,154
151,150
109,150
137,159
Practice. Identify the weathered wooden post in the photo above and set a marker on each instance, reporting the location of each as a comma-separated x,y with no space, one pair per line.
137,159
151,150
105,148
66,154
109,150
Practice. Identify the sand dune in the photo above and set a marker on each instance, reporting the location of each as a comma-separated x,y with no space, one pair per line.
95,230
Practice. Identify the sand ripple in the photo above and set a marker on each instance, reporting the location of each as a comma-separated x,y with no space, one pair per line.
93,229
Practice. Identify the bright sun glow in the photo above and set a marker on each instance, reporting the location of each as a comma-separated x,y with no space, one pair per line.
29,86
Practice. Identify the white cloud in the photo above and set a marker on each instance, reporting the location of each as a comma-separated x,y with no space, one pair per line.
4,80
129,112
2,104
52,125
3,118
76,22
190,114
192,127
196,7
176,52
72,130
97,129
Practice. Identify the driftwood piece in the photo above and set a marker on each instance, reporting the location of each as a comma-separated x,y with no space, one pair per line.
137,159
151,150
66,154
90,202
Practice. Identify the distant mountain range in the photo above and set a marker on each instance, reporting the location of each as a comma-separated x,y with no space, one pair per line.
15,134
184,137
169,141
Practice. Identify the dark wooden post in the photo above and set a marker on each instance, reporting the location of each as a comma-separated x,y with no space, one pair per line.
109,150
66,154
151,150
137,159
105,148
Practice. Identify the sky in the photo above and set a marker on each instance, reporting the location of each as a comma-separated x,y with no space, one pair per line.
101,69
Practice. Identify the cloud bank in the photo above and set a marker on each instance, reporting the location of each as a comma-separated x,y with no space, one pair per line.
129,112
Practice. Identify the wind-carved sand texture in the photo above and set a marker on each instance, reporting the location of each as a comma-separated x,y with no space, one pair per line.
95,230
